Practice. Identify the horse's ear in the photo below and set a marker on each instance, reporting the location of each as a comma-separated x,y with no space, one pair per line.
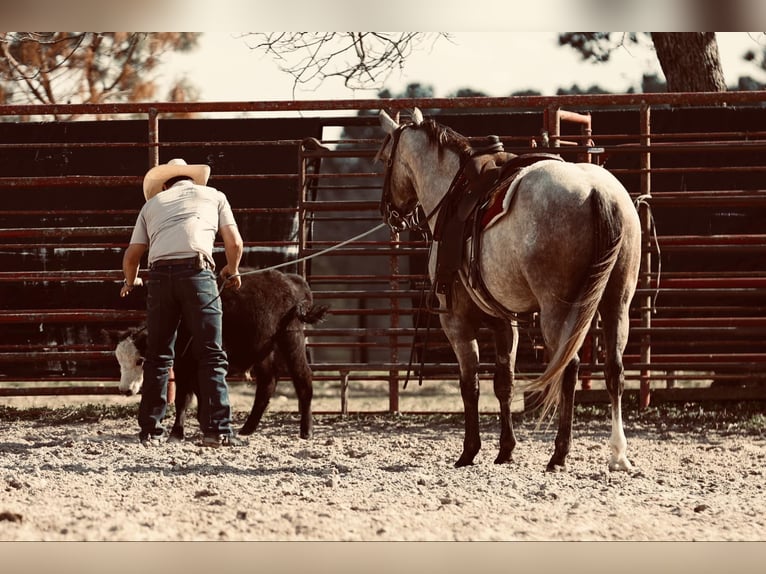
417,116
388,124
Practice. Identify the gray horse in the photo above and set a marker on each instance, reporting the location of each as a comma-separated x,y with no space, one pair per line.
569,247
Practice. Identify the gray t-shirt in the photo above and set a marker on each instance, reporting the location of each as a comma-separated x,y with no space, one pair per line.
182,221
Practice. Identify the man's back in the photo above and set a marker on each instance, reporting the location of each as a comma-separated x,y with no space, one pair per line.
182,221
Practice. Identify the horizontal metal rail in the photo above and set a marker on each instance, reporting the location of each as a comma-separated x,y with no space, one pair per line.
706,323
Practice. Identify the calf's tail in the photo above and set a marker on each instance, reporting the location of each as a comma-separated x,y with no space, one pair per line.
310,313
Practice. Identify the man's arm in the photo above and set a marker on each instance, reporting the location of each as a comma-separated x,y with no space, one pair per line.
131,261
233,247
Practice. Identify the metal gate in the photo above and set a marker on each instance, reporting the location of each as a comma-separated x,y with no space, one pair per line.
694,163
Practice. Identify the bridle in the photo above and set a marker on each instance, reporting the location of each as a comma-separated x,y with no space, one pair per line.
411,220
395,220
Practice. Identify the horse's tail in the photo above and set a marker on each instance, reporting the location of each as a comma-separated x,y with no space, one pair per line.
607,241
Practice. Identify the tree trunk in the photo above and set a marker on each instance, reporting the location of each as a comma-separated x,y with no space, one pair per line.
690,61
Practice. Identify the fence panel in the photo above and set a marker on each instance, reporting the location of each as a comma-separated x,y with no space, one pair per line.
302,185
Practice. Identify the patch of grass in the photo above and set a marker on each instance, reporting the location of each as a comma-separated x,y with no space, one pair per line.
741,416
748,417
87,413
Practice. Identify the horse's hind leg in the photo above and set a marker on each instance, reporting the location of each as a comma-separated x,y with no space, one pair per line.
566,413
506,344
552,317
616,326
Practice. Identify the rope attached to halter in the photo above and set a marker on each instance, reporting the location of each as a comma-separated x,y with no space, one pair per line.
644,200
299,260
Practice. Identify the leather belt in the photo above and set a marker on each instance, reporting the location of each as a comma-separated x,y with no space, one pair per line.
197,261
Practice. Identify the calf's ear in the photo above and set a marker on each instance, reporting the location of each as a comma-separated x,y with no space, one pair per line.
114,336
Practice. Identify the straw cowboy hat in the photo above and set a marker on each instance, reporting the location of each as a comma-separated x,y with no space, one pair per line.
156,177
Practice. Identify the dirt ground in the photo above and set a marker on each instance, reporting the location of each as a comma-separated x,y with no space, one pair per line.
374,477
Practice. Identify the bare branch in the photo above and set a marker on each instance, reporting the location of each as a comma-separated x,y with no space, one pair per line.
363,60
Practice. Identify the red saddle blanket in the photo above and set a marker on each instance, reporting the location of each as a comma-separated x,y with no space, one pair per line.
499,202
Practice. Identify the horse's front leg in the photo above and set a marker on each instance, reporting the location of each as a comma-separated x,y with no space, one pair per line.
566,414
462,337
506,345
469,391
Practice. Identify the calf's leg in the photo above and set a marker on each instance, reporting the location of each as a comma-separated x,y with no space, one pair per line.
292,347
185,369
265,384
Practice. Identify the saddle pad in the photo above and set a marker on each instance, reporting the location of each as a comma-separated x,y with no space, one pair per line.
500,201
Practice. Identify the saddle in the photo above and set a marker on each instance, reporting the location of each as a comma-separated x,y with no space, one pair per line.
481,181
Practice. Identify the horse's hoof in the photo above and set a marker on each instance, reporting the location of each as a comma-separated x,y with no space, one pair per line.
175,438
556,467
306,435
246,431
464,461
620,464
503,458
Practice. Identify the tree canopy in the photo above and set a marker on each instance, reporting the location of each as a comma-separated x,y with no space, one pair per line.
87,67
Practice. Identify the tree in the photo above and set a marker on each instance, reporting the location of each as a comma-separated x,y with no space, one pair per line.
363,60
86,67
759,59
689,60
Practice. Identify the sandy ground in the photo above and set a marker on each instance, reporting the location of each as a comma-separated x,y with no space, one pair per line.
374,477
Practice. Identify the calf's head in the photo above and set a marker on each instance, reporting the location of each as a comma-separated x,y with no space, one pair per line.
131,366
130,356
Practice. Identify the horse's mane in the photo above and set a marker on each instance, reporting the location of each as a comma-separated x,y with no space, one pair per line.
445,137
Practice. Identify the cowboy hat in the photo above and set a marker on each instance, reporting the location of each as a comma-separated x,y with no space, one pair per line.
158,175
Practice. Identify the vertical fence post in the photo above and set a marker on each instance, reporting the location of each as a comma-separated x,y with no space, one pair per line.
154,138
646,258
303,232
553,125
154,160
393,380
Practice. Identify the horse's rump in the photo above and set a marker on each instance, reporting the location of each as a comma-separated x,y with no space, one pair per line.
559,243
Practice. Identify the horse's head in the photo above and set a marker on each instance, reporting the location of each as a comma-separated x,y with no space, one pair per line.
399,202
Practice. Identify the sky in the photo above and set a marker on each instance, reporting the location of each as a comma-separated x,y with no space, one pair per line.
496,63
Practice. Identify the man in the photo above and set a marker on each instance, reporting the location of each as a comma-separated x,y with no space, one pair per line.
178,225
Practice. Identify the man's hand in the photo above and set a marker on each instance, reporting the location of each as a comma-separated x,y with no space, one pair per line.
231,278
128,288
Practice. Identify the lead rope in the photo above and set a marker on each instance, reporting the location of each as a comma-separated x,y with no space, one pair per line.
294,261
644,200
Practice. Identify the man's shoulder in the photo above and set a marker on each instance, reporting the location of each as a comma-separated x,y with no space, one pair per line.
210,190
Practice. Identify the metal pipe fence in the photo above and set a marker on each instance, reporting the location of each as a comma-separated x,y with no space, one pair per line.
693,162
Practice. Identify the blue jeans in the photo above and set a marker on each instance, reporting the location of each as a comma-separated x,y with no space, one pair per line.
174,293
